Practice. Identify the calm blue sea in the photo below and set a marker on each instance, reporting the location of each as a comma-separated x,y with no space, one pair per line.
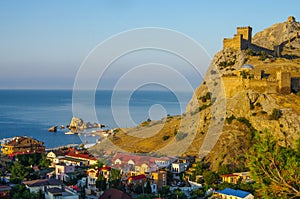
32,112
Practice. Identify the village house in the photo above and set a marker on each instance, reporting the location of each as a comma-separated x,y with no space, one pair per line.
159,178
22,145
138,180
71,156
181,165
42,184
236,177
62,171
53,157
229,193
137,164
85,156
60,193
93,173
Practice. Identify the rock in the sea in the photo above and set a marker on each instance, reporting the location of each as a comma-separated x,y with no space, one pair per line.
79,124
52,129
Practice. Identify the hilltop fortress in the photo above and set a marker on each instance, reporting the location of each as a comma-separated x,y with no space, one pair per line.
280,80
242,40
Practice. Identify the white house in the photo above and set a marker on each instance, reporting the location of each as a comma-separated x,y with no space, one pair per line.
61,171
42,184
233,194
58,193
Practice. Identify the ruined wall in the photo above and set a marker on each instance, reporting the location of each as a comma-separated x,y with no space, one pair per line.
284,82
234,43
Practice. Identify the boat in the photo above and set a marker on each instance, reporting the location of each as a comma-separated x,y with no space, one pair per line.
69,133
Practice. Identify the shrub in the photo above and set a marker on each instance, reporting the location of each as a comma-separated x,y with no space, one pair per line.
249,52
263,112
244,121
251,106
276,114
263,56
230,119
165,137
258,104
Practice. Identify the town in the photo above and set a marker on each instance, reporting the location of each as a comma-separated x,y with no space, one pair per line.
28,170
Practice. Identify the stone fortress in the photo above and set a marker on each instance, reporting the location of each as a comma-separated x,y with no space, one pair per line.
282,81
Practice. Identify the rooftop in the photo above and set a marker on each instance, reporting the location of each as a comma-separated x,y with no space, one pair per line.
42,182
233,192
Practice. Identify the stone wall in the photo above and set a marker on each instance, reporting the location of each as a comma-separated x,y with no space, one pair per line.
241,40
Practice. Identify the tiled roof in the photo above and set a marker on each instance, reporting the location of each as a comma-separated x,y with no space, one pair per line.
114,194
81,155
42,182
105,168
229,175
18,140
233,192
138,177
138,159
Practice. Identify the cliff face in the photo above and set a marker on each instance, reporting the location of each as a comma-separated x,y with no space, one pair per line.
250,108
231,103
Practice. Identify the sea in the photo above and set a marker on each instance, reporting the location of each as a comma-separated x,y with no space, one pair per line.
31,112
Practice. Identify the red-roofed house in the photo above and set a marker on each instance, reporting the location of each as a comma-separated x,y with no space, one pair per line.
92,175
91,160
235,177
137,164
22,145
136,179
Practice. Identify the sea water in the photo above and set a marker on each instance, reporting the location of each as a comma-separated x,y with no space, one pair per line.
32,112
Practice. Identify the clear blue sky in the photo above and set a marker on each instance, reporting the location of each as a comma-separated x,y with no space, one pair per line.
43,43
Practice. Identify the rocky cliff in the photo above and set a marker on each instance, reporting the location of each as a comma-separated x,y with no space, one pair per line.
219,125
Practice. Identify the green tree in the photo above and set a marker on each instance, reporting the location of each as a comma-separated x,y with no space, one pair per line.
115,178
198,193
44,162
210,177
275,168
99,164
101,182
19,171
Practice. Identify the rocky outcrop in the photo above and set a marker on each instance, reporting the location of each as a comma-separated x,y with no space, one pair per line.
78,124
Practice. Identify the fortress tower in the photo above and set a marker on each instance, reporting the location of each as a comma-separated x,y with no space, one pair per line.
241,40
246,32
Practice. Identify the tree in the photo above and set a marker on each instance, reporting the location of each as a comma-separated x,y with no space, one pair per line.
275,168
99,164
44,162
101,182
19,171
115,178
210,177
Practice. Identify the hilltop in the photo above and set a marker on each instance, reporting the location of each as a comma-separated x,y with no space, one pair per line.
251,85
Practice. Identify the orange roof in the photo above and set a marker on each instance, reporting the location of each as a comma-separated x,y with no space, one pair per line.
81,155
105,168
229,175
139,159
138,177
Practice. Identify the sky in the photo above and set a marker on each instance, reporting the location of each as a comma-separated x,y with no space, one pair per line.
43,44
